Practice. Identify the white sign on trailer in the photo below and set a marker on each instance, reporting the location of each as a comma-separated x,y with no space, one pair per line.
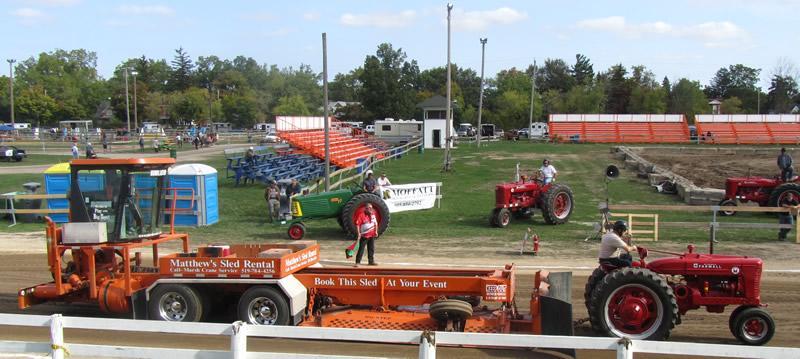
410,197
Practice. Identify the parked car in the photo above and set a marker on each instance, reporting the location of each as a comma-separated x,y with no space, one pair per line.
370,129
271,137
522,133
498,132
9,153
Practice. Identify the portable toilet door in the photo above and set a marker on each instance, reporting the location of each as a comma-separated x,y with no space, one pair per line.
196,188
57,181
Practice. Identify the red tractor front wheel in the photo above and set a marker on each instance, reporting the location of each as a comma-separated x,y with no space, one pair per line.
501,217
753,326
296,231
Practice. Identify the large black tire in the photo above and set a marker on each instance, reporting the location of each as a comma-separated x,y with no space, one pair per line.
358,201
733,317
596,276
642,296
263,305
454,310
175,303
727,202
777,194
754,326
557,204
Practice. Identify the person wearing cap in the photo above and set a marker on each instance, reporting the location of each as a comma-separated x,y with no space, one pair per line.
547,172
293,188
367,227
370,185
785,164
612,245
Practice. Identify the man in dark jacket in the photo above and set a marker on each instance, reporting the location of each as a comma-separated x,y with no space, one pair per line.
785,164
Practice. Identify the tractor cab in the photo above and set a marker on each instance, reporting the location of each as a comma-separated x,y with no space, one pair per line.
116,200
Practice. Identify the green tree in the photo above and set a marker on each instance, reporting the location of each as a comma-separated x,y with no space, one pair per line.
35,106
731,106
189,105
618,90
388,83
346,87
181,77
736,81
240,109
291,106
554,75
584,99
688,99
782,93
582,71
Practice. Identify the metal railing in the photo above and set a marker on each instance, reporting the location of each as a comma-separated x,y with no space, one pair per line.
427,341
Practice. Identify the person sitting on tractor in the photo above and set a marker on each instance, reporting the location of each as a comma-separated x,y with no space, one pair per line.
785,164
547,172
612,245
370,185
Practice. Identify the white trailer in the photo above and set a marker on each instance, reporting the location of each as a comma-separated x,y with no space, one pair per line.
398,131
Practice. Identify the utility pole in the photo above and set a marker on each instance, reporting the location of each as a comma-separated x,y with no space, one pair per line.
11,85
135,110
533,93
127,104
758,111
480,101
449,121
325,111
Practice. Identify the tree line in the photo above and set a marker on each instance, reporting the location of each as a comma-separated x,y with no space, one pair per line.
65,85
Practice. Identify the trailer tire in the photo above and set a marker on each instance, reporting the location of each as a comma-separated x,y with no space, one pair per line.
634,302
557,204
754,326
263,305
777,194
175,303
450,310
356,205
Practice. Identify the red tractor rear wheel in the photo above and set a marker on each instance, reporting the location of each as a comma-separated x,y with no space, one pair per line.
779,192
355,207
596,276
634,302
557,204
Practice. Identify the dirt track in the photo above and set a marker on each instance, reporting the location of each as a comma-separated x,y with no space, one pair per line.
778,289
710,168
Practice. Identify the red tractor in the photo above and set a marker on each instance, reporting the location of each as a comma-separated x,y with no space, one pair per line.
520,198
767,192
647,300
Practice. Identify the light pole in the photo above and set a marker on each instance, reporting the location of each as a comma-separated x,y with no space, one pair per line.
127,103
11,86
325,111
533,93
480,101
448,121
758,111
135,111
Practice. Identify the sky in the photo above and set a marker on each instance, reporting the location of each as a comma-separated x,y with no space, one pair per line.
677,38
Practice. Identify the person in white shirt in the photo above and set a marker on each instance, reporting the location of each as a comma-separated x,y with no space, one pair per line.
547,172
612,245
75,152
383,183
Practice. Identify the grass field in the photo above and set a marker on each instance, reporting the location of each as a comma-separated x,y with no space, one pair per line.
37,159
468,198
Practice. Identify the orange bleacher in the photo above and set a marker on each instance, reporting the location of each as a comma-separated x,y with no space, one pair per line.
619,128
344,148
749,129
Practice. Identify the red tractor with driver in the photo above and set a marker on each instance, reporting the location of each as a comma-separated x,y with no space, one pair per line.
647,300
522,197
767,192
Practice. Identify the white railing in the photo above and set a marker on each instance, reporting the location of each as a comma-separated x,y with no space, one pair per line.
426,340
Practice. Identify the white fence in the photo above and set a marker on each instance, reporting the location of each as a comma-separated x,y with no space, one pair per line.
427,341
615,118
776,118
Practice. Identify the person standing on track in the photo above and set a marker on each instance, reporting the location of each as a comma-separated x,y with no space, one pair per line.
612,245
367,227
788,201
273,196
785,164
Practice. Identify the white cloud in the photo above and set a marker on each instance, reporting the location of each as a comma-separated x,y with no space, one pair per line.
160,10
29,16
481,20
379,20
311,16
710,34
259,16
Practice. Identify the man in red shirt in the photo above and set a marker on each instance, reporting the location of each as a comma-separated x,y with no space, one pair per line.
367,226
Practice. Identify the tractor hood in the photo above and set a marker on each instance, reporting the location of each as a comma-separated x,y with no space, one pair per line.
705,264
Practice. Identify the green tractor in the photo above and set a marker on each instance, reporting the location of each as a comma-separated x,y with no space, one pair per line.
344,205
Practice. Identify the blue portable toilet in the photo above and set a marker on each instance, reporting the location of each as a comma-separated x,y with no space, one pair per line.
201,180
57,181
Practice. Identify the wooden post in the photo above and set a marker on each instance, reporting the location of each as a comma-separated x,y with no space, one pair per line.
427,345
797,229
238,340
57,337
655,228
